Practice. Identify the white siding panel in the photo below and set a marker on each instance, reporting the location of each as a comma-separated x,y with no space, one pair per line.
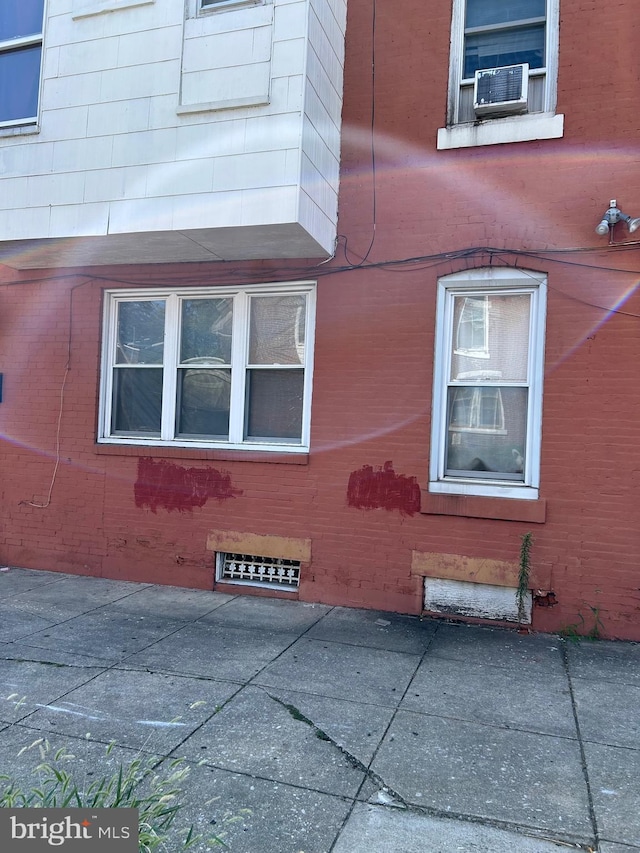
112,184
84,57
154,46
127,116
150,214
269,133
81,155
218,210
69,123
198,140
78,220
227,85
151,146
245,171
269,205
288,57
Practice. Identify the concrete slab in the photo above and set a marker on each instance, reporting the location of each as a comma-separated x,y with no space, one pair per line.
375,629
267,614
142,710
521,699
26,686
614,774
16,581
21,650
374,829
16,624
608,715
604,661
86,760
356,727
273,817
606,847
106,633
185,605
257,735
528,780
342,671
496,647
214,651
73,594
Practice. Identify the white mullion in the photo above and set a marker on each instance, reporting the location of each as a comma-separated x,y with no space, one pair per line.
239,357
169,367
109,360
305,435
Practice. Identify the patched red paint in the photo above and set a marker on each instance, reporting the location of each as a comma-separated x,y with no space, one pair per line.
170,486
383,489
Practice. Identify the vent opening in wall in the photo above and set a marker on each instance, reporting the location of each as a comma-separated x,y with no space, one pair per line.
479,600
252,570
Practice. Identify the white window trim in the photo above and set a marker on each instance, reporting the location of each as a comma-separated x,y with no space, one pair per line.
88,8
199,7
29,124
239,362
524,128
470,282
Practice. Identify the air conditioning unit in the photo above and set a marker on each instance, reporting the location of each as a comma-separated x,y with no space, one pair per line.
501,91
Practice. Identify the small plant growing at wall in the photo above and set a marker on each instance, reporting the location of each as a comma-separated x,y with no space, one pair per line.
523,590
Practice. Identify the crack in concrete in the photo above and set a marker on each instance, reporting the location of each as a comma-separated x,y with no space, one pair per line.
297,714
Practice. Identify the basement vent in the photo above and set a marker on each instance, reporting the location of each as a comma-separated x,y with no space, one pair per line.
460,598
258,571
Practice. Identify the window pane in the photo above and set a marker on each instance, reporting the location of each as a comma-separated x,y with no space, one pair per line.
504,47
19,83
506,356
137,400
20,18
140,332
206,330
274,403
487,431
277,330
481,13
204,398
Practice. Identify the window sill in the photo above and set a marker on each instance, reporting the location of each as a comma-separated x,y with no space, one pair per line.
218,455
19,130
101,7
475,506
222,5
525,128
227,104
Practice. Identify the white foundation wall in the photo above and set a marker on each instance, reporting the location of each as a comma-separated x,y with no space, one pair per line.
170,131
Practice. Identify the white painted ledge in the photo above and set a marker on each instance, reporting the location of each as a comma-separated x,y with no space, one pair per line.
101,7
498,131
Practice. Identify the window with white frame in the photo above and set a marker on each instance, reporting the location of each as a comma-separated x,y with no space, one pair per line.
210,367
487,398
21,26
494,34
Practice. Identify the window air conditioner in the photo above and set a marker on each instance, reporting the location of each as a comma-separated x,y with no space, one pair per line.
501,91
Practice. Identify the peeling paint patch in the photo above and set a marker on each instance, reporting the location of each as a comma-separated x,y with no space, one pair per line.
165,485
382,488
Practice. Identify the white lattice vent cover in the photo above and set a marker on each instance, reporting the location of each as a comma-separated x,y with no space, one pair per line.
254,570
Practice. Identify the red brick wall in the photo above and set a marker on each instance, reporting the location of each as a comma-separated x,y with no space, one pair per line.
374,354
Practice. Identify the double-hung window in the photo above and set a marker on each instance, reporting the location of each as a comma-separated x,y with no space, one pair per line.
210,367
487,399
21,24
495,34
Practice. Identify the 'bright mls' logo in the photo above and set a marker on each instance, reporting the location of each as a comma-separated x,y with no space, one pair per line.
37,830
